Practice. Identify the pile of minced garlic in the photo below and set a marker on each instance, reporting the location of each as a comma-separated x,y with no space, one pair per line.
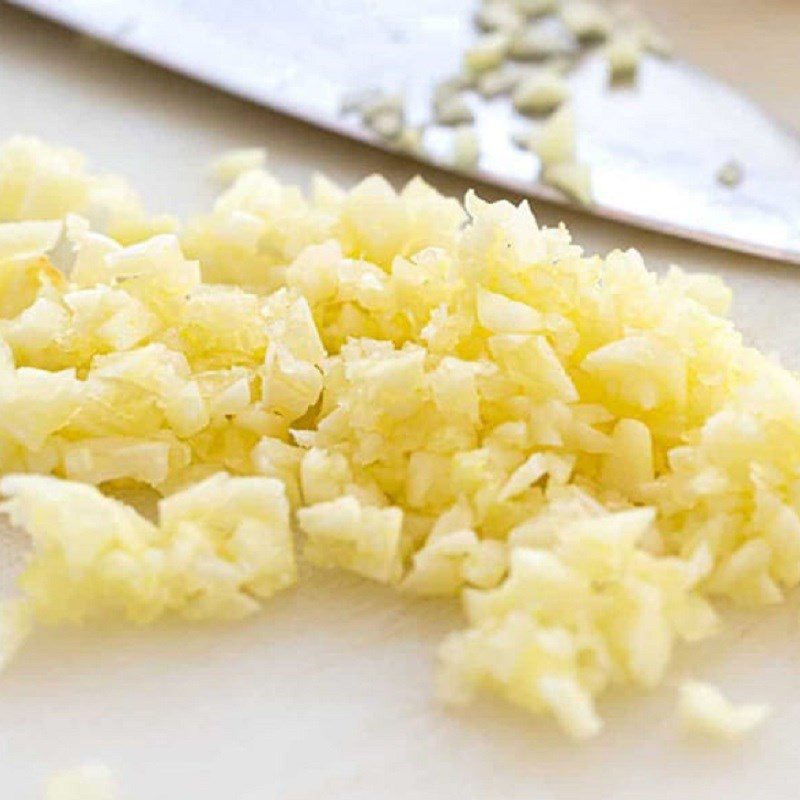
446,398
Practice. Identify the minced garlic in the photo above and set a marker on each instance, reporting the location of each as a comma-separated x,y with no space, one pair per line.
540,93
487,52
229,166
466,147
703,708
445,398
556,140
537,43
586,20
494,16
219,547
624,52
453,110
572,178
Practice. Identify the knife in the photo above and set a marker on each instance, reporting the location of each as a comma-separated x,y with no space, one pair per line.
654,146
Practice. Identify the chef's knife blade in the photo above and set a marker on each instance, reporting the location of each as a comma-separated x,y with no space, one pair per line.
654,147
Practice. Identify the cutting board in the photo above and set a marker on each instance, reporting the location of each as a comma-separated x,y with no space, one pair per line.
329,692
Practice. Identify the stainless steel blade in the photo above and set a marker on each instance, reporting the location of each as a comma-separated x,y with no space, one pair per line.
654,147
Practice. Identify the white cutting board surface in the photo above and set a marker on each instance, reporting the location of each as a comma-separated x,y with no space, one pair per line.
328,694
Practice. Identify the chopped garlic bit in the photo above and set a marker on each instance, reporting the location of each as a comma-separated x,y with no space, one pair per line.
624,52
344,533
539,43
88,782
497,16
384,115
556,142
24,240
230,165
454,110
730,174
571,178
498,81
466,148
487,52
703,708
450,87
386,124
410,140
556,147
586,20
535,8
453,557
540,93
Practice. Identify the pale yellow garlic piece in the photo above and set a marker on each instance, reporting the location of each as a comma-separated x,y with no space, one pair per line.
466,148
454,110
228,166
535,43
487,52
531,362
556,141
540,93
410,140
290,385
497,16
535,8
588,21
500,80
500,314
109,458
571,178
704,709
628,466
641,371
624,53
344,533
23,240
35,404
324,476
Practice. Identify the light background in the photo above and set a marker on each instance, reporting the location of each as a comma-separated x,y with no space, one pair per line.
328,694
